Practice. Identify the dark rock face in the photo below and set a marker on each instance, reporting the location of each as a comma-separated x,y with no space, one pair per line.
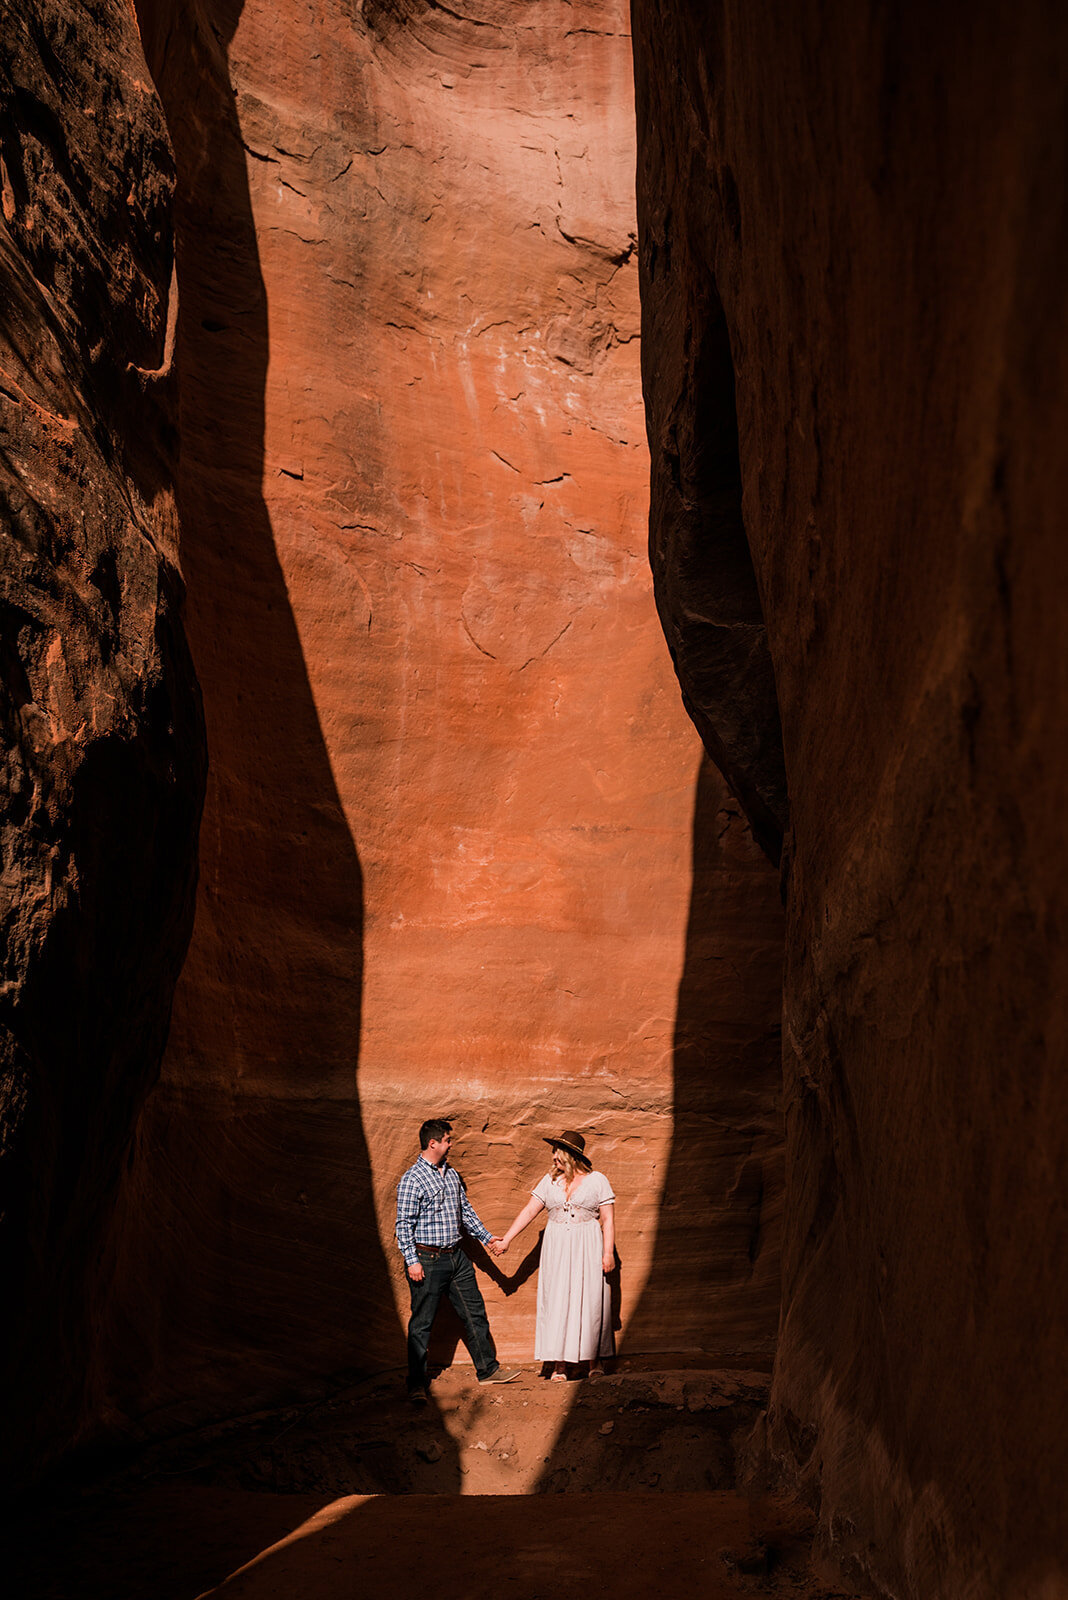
706,590
102,748
875,200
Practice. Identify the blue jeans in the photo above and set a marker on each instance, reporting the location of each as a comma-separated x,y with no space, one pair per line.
450,1274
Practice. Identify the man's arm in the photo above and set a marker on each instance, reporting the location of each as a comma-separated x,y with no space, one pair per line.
471,1221
408,1206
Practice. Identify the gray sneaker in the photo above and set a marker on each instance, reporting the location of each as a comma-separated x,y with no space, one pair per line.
502,1375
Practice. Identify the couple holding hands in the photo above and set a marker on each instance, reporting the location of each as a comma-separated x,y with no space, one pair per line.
574,1315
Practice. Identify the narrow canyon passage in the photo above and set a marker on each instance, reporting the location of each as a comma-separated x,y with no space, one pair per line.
452,858
461,852
482,637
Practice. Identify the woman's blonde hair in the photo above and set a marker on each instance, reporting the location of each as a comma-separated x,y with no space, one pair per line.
570,1166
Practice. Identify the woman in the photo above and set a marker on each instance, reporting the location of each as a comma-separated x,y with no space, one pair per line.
574,1321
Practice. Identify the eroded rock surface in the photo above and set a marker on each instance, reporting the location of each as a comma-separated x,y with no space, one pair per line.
874,200
102,749
450,831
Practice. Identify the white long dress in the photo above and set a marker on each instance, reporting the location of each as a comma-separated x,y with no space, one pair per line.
574,1321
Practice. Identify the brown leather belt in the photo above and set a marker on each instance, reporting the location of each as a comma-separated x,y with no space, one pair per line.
438,1249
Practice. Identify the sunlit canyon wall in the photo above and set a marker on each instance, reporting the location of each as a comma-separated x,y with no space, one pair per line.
453,810
863,207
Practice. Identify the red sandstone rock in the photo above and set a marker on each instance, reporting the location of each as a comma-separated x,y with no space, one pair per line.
876,201
447,846
101,739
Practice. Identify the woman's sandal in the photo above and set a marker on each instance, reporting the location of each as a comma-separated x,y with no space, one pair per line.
558,1376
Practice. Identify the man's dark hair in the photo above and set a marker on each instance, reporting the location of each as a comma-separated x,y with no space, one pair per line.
433,1128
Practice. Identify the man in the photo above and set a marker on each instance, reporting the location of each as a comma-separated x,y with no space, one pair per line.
433,1213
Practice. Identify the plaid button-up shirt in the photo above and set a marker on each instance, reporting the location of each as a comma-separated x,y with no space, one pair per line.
433,1208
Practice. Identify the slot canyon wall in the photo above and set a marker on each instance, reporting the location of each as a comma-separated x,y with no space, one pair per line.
102,738
459,852
864,207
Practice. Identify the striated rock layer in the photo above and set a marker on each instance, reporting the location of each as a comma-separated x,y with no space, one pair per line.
454,860
102,745
874,200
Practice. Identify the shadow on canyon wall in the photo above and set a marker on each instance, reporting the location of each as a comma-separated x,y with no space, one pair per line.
713,1285
720,1209
249,1266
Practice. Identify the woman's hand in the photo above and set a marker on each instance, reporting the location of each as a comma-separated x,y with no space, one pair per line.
608,1261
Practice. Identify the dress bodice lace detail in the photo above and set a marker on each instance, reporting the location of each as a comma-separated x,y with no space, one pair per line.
588,1195
569,1214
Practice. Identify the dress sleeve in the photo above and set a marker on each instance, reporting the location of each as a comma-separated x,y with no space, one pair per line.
543,1190
603,1190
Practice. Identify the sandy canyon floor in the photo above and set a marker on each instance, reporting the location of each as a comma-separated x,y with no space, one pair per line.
521,1491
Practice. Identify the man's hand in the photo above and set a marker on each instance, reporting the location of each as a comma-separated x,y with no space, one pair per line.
498,1246
415,1272
608,1262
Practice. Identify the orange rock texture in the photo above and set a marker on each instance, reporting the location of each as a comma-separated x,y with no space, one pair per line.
455,857
869,202
101,747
